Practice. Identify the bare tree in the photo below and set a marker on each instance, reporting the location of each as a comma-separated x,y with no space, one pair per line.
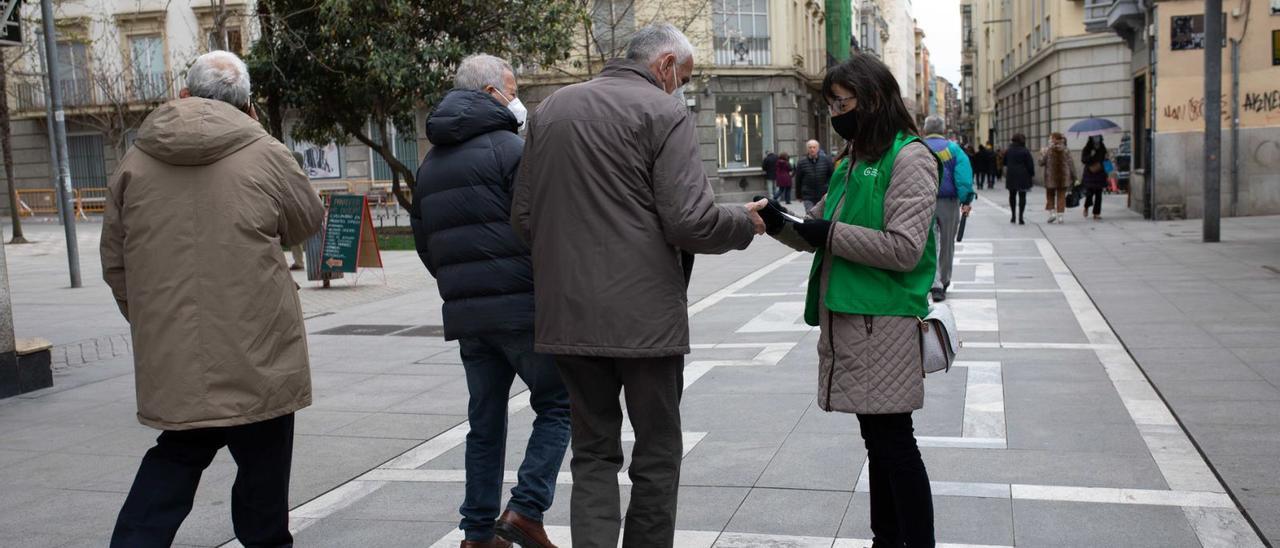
605,27
6,142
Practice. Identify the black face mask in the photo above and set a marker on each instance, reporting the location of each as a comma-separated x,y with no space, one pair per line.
846,125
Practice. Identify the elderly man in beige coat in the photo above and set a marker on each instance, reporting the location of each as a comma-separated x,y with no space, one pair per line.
191,247
611,190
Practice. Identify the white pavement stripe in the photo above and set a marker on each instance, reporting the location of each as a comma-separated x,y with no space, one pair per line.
1039,346
971,248
1004,291
559,535
780,317
984,401
962,443
439,445
995,206
1183,469
714,298
1222,528
1064,493
976,315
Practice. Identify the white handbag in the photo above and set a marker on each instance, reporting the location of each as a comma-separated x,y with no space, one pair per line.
938,341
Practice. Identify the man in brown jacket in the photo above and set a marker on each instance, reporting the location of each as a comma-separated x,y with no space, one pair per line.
610,190
191,247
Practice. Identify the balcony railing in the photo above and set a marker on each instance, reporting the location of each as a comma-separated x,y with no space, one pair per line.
97,91
742,51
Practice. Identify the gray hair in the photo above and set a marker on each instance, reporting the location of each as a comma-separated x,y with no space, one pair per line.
934,124
656,40
221,76
480,71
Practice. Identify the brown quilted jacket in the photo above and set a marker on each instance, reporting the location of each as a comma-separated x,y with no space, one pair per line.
871,364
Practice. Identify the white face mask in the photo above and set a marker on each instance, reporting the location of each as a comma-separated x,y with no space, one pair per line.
677,89
516,108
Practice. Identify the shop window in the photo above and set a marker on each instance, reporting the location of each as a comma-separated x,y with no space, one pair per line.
744,130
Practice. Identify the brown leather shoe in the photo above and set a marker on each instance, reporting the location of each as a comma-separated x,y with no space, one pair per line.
521,530
495,542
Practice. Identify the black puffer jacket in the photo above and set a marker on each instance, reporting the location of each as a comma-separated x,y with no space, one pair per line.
462,213
812,176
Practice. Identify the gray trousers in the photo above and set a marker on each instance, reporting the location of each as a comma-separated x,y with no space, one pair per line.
946,225
652,388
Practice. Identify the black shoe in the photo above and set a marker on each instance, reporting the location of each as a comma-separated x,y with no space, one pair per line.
1013,220
938,295
1021,222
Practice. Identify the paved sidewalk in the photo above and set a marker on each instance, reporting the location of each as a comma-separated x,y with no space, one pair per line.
1046,433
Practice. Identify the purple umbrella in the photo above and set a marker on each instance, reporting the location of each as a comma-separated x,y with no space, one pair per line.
1093,126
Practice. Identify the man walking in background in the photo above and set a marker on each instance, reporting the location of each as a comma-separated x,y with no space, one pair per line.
195,217
813,173
955,196
610,191
461,226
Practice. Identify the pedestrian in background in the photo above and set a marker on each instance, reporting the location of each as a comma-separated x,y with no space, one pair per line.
461,227
955,198
610,192
770,165
195,217
874,267
1022,169
813,173
1095,174
998,167
784,179
1059,176
985,168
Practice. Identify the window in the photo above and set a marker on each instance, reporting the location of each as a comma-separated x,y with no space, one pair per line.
85,155
147,56
741,32
405,146
744,129
73,73
234,40
612,23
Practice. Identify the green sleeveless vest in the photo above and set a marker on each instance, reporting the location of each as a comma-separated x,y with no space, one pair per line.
860,289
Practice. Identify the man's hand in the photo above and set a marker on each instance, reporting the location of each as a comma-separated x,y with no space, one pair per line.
772,215
966,208
753,211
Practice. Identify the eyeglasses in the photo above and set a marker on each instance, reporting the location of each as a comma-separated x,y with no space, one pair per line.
838,104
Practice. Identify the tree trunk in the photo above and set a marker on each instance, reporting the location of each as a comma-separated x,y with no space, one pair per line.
275,113
6,142
387,153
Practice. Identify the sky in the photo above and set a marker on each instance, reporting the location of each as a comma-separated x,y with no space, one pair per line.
940,20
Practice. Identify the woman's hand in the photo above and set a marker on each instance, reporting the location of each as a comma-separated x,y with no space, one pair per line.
814,232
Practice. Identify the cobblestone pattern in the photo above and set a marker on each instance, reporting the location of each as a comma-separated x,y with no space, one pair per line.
90,351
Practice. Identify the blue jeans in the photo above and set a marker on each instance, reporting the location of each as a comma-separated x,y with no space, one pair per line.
491,364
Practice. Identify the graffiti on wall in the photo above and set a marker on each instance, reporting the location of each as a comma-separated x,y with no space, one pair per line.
1192,110
1267,101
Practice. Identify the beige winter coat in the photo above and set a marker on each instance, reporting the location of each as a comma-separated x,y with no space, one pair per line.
610,189
191,247
872,364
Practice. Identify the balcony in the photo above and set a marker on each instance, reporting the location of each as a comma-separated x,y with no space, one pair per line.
750,52
1124,17
86,92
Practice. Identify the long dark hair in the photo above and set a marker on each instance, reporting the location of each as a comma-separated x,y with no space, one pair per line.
881,112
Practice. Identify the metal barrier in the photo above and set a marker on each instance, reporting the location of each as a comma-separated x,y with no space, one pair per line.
90,200
37,201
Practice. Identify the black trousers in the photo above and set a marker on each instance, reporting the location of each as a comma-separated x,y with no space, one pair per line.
1017,203
1093,198
165,486
901,500
652,388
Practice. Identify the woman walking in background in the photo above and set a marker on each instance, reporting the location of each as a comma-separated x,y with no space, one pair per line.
872,273
1022,168
1059,176
783,173
1095,175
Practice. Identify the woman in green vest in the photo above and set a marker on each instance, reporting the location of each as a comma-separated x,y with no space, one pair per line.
872,270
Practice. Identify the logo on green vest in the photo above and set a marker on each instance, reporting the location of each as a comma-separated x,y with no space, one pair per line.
871,171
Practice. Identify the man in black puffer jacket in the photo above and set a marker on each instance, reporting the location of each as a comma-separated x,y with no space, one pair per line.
461,227
813,173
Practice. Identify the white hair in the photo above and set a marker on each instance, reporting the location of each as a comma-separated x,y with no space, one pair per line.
813,142
221,76
657,40
480,71
934,124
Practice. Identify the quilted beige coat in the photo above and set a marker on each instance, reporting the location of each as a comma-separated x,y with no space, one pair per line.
871,364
